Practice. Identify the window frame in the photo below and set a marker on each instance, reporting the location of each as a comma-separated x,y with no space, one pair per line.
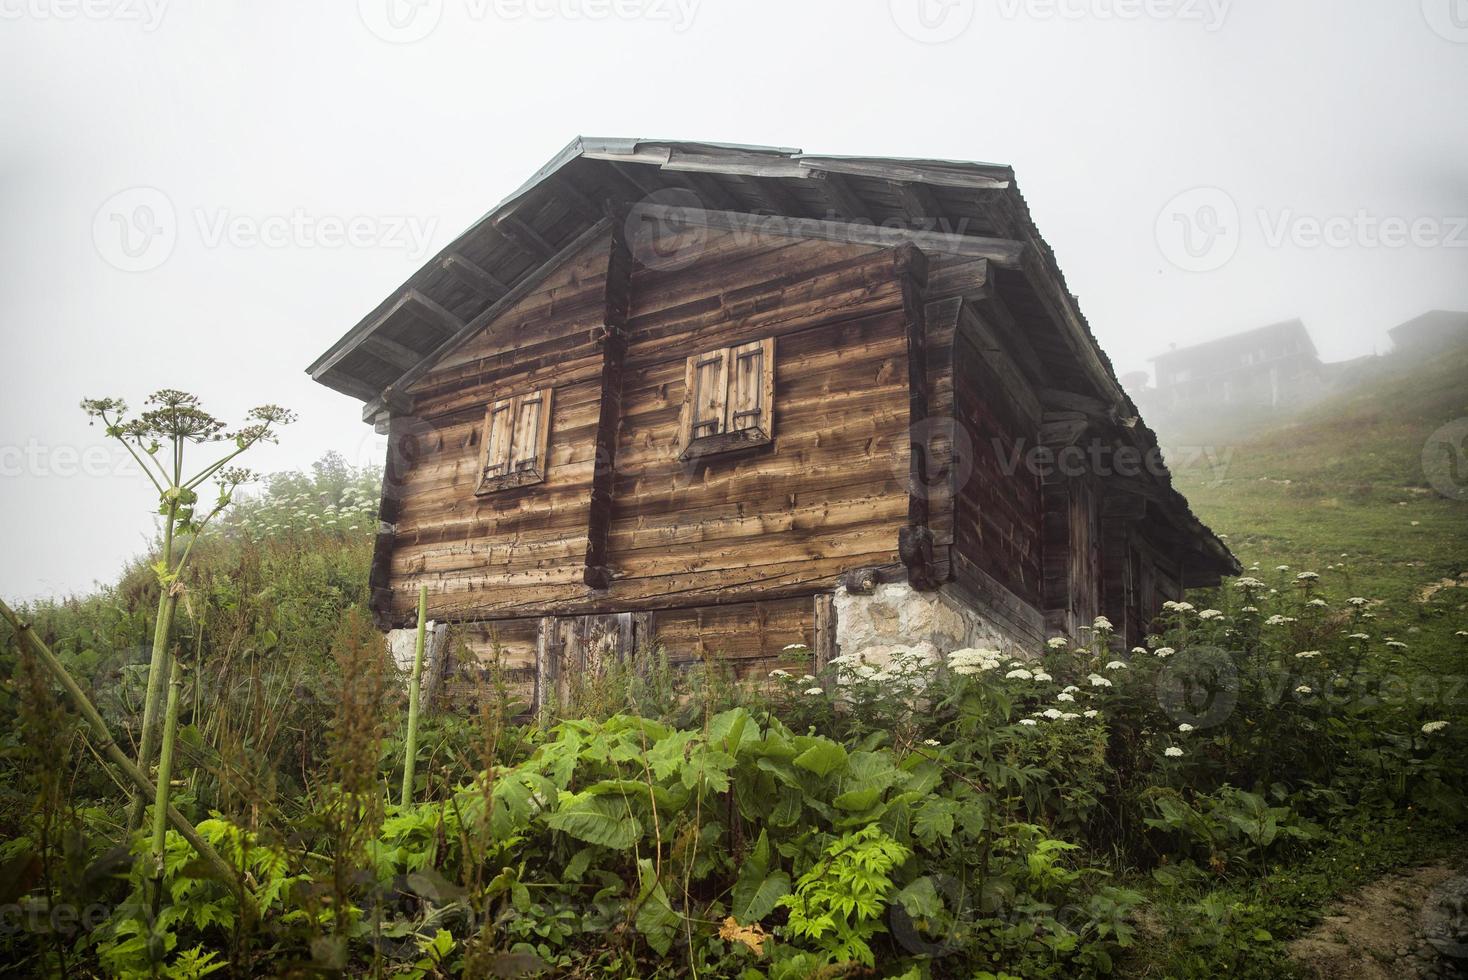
739,396
508,445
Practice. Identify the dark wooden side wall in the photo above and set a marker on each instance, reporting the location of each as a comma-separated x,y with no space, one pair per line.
997,517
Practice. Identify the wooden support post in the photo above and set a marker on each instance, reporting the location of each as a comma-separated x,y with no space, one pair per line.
379,576
915,541
825,616
618,304
547,666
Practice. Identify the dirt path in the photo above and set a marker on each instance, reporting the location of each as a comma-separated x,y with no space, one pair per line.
1407,925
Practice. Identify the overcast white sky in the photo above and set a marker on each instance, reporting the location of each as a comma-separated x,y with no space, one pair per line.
419,115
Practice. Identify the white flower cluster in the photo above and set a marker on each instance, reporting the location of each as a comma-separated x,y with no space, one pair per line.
1210,614
1249,582
1433,727
974,660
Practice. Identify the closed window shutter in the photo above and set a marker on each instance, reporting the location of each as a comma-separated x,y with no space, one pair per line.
498,430
708,386
525,453
751,386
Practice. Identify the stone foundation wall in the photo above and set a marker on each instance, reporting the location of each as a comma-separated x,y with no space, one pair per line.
933,623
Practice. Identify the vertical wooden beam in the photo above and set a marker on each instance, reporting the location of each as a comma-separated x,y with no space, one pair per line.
379,576
617,307
825,639
915,541
547,665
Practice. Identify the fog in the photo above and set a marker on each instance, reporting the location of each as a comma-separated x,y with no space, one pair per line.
206,196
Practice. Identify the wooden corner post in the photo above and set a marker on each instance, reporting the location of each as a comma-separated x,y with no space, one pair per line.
613,339
915,540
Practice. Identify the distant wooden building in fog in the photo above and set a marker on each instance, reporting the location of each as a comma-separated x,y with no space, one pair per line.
728,399
1431,332
1267,366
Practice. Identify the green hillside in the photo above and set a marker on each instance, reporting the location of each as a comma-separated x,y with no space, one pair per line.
1339,489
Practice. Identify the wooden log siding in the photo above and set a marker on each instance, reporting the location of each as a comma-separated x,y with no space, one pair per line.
778,521
997,509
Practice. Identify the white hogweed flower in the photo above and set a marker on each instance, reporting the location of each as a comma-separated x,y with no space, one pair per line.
1173,752
1433,727
1098,681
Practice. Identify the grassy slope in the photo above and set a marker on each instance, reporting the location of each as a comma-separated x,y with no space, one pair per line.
1345,478
1342,478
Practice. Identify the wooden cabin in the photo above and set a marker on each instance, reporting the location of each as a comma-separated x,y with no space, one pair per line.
757,404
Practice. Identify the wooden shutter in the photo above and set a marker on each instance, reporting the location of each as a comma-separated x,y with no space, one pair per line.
495,451
708,390
752,387
516,441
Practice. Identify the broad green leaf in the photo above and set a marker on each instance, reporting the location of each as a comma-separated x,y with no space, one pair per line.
656,919
821,756
754,899
600,820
